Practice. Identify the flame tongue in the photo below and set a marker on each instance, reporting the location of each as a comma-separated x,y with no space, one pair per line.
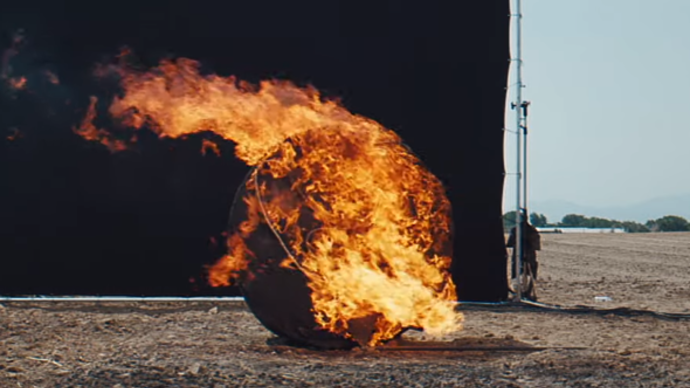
355,210
175,100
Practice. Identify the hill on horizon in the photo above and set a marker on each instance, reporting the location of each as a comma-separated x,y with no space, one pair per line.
678,205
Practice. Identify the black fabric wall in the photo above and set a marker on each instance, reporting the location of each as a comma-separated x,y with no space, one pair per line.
75,219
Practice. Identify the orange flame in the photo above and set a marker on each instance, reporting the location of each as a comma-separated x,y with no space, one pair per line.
383,220
88,130
208,145
231,265
52,77
15,134
17,83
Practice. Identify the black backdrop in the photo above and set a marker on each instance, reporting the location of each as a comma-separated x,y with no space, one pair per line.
75,219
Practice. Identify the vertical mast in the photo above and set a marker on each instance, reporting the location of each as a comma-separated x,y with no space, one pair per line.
517,106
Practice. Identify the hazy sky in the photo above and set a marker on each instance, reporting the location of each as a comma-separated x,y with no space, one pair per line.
609,83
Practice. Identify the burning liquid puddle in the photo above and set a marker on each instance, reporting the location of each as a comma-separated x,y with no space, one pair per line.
336,210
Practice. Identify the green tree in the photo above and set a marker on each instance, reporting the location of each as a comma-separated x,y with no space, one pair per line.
597,222
538,220
669,224
633,227
574,221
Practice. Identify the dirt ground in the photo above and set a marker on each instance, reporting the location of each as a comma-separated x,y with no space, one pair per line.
222,344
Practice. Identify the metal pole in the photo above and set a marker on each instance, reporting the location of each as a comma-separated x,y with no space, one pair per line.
525,105
518,122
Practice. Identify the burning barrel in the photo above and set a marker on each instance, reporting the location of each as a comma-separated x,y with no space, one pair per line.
339,236
324,241
279,297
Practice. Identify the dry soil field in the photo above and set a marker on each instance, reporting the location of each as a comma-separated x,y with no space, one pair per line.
222,345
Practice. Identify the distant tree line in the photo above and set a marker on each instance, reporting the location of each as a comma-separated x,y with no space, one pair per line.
668,223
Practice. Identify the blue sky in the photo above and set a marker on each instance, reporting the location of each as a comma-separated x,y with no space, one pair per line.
609,83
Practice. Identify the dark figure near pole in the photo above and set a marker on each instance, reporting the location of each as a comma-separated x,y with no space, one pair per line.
531,243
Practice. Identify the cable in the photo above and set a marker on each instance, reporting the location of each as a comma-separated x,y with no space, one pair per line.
576,309
257,190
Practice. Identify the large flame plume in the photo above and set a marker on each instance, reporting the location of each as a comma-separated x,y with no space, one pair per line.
380,221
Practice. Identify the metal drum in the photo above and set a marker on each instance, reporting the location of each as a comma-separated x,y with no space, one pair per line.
278,296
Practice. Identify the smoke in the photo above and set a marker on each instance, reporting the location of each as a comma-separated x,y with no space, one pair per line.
18,68
23,69
7,55
38,102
